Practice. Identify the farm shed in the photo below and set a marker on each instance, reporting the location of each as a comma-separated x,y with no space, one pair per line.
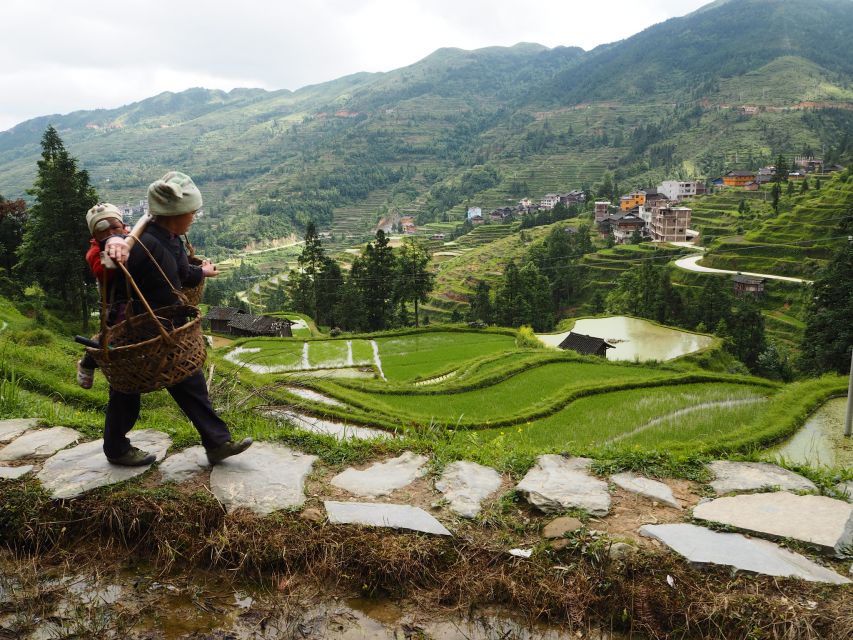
219,317
586,345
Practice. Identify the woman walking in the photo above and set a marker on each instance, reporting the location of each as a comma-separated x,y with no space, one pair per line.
172,201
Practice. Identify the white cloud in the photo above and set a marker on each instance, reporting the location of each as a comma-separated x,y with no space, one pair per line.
58,56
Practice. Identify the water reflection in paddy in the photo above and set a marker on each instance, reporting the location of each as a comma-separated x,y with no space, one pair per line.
635,339
821,441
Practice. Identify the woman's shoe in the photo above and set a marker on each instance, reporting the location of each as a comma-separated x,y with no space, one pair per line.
230,448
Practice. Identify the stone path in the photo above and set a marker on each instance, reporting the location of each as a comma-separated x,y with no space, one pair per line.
751,476
382,478
556,483
267,478
11,429
271,477
698,544
814,519
72,472
466,484
39,443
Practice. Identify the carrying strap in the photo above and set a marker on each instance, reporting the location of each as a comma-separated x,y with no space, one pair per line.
129,280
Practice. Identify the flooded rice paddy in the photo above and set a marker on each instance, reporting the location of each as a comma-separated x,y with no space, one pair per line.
820,442
634,339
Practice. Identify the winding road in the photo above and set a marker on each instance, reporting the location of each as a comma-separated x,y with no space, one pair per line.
689,263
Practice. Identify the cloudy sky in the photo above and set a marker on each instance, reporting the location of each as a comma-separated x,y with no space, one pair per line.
58,56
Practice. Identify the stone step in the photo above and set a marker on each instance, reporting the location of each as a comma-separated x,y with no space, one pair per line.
394,516
382,478
702,545
11,429
652,489
39,443
752,476
556,483
466,484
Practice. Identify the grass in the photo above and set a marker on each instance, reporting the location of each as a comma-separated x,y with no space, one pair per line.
593,421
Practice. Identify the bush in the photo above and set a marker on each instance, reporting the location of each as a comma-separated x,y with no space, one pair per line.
526,339
32,337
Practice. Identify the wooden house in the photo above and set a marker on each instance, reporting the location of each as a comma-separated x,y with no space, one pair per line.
748,285
586,345
218,318
738,178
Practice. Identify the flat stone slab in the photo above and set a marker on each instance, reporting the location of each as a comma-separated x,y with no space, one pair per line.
74,471
11,429
814,519
382,478
314,396
39,443
699,544
339,430
556,483
13,473
265,478
466,484
652,489
751,476
393,516
183,465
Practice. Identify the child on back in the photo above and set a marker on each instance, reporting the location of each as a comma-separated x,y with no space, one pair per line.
107,228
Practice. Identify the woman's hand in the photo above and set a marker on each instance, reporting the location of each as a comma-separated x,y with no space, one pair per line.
209,269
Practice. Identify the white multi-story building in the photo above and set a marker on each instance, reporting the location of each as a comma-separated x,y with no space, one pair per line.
475,212
669,224
678,189
549,201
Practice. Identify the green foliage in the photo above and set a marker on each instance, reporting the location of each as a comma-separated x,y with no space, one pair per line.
55,235
828,336
527,339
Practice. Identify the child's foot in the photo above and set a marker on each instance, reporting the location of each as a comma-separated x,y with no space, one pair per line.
85,377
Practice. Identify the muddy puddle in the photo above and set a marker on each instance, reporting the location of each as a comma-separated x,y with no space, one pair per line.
820,441
38,603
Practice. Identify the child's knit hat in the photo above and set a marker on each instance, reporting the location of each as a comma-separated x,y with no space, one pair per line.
101,211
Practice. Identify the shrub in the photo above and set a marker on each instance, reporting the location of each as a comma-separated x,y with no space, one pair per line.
32,337
526,339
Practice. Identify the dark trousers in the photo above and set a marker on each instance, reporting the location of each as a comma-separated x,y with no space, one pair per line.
191,396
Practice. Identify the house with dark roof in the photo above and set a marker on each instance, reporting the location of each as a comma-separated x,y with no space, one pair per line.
218,318
748,285
246,324
586,345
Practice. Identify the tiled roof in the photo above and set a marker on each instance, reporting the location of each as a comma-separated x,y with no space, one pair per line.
221,313
587,345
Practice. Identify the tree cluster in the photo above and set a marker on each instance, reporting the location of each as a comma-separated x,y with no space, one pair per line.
374,295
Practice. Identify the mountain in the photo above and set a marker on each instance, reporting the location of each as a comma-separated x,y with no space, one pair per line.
479,127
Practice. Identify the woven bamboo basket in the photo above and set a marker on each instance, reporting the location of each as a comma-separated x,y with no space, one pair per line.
152,350
193,294
140,358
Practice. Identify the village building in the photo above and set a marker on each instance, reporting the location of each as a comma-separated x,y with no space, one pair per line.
738,178
437,236
586,345
677,190
602,210
765,175
669,224
575,196
474,211
407,225
809,164
246,324
549,201
476,219
633,200
217,318
525,202
748,285
623,226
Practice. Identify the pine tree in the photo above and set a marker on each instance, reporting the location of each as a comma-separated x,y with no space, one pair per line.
378,282
481,304
56,236
828,336
414,281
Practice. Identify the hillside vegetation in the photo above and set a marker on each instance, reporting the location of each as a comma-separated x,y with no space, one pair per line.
481,127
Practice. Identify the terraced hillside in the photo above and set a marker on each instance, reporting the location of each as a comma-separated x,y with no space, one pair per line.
798,240
480,385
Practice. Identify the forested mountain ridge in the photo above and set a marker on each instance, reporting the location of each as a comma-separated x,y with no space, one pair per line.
478,127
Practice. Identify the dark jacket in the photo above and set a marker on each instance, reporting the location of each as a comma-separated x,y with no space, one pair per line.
168,250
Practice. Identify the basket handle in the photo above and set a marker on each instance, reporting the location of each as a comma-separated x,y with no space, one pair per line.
166,337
